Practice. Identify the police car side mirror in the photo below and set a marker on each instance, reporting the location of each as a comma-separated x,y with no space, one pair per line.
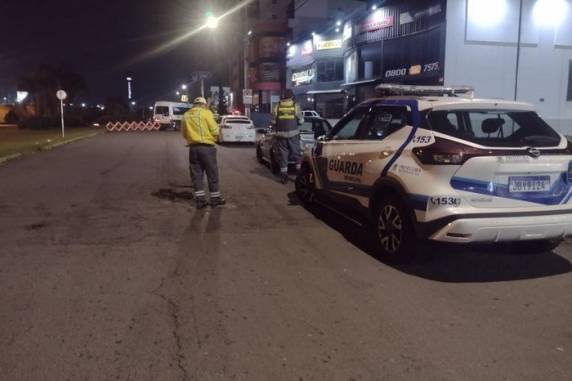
262,130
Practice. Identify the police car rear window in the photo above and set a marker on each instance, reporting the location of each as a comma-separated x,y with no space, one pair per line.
495,128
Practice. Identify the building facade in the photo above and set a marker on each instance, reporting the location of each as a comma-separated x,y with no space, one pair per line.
514,49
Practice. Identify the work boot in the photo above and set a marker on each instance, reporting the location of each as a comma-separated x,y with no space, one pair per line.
216,201
201,203
284,178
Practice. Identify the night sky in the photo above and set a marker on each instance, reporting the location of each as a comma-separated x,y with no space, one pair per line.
105,41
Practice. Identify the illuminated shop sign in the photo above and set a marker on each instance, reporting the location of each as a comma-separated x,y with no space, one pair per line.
328,44
412,16
413,70
377,20
303,77
307,48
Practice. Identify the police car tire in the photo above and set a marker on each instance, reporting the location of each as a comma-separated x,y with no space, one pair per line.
259,156
304,189
274,166
395,237
534,247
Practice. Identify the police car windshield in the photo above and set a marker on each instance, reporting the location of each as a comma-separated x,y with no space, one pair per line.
495,128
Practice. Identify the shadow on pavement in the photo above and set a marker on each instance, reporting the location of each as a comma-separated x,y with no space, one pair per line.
449,262
171,195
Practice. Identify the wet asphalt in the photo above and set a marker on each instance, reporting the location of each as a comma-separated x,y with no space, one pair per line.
107,272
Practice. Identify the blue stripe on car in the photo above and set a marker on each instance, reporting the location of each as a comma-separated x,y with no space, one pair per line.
559,193
418,201
416,121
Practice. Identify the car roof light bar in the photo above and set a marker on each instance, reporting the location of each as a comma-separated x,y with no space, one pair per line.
452,91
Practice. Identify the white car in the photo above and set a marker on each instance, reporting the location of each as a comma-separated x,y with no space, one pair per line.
437,164
310,114
236,129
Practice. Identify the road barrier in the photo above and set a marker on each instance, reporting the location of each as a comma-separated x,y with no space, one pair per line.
132,126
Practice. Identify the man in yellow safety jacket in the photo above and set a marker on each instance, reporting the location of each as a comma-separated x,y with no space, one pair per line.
201,133
286,119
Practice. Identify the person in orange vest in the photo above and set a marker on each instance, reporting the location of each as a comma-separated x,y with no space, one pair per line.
201,131
287,119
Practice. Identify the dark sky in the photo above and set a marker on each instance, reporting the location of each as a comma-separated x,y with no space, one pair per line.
102,39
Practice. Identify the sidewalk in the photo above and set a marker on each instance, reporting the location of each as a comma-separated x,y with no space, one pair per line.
15,142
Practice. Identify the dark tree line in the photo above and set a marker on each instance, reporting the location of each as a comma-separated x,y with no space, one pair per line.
42,84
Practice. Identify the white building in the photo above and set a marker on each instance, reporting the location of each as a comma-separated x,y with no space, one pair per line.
514,49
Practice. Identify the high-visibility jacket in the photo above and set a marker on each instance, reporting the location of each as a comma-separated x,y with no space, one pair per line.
287,118
199,126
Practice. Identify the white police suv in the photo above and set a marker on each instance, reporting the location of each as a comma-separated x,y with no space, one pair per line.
434,163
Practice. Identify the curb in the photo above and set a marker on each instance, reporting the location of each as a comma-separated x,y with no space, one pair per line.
9,157
48,147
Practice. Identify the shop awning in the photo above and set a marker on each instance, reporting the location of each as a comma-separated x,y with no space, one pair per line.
335,91
364,82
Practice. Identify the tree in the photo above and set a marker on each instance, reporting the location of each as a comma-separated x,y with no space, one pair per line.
42,84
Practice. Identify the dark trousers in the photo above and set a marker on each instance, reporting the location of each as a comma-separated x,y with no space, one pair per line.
287,149
202,158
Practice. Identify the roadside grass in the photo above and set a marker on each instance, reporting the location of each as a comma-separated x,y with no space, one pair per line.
15,142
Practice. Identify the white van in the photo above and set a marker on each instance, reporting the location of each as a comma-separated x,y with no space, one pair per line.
169,114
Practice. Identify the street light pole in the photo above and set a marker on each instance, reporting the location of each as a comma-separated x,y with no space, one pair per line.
518,42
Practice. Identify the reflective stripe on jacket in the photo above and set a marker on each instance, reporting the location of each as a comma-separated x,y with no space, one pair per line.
287,118
199,126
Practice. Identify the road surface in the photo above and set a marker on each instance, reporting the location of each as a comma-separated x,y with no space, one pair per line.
107,272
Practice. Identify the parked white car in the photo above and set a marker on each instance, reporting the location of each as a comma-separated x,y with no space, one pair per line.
310,114
434,164
236,129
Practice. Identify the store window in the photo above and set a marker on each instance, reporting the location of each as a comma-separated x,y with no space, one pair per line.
330,71
569,95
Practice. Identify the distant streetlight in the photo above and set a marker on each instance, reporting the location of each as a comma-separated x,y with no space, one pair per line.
212,22
184,87
337,30
249,33
83,105
338,23
129,92
373,7
178,93
133,103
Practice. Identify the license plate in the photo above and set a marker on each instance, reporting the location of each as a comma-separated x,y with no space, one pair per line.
238,137
519,184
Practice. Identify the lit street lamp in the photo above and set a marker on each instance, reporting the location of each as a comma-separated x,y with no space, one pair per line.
212,21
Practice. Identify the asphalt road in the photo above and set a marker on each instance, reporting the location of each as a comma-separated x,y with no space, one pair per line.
108,273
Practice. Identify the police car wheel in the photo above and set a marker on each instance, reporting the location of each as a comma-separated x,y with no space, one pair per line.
304,187
396,239
274,166
259,156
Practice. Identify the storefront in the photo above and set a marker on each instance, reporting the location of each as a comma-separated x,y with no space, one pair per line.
401,43
316,73
514,49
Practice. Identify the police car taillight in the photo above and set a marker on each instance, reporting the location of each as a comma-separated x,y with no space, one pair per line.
446,152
